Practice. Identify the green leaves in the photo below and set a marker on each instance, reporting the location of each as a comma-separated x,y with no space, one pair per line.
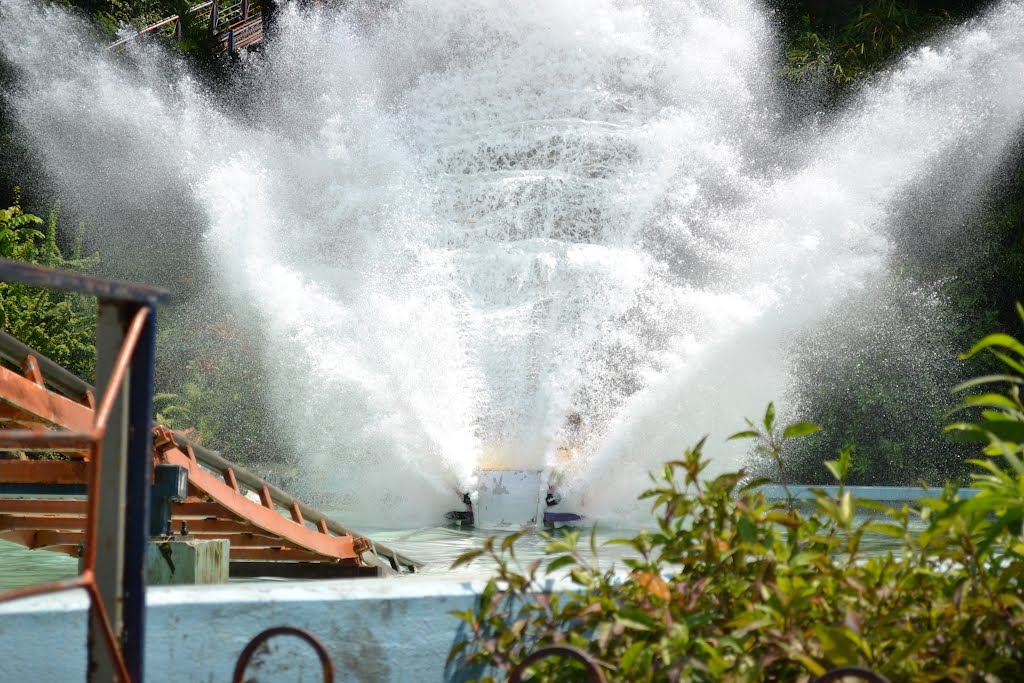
840,468
60,325
798,429
731,586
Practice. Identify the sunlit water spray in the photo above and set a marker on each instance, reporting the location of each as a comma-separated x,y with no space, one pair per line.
479,231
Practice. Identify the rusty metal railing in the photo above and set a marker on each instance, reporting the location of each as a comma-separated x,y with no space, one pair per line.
55,382
232,23
242,663
118,447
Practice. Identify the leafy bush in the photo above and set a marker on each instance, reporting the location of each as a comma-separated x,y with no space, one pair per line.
734,587
876,32
60,325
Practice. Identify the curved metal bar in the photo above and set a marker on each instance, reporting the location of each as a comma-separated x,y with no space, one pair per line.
851,671
124,358
66,382
116,651
594,673
243,659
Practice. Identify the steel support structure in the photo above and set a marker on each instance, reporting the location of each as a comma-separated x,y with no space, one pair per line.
118,445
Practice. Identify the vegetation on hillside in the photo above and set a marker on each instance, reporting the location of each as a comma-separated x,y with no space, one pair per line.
59,325
875,370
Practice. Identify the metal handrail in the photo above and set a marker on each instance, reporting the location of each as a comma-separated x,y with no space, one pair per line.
173,19
75,387
92,440
56,376
251,481
224,19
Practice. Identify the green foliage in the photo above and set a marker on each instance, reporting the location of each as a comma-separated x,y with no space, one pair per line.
1000,427
59,325
769,441
111,15
875,374
877,31
212,389
733,587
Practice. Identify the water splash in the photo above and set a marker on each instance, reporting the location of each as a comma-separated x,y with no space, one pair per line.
477,230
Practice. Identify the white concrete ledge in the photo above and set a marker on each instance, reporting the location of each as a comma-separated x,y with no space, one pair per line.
376,630
884,494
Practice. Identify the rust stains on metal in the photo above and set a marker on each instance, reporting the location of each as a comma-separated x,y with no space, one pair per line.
261,638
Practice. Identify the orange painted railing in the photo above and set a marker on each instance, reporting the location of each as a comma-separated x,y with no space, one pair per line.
84,441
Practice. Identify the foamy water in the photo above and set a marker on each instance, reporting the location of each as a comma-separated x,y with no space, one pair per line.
478,230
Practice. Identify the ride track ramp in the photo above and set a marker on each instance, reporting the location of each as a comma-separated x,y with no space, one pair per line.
42,490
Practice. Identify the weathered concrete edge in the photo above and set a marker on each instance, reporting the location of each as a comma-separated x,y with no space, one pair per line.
886,494
375,629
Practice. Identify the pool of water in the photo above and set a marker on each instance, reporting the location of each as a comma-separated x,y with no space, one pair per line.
436,547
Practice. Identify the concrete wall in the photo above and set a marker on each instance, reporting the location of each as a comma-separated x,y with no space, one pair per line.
375,630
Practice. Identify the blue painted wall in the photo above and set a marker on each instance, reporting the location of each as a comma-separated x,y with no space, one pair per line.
375,630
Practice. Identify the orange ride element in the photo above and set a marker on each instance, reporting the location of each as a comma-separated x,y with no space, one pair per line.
35,419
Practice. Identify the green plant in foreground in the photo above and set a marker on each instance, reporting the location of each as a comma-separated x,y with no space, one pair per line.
733,587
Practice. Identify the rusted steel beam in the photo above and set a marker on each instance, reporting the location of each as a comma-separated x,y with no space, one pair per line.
103,288
31,368
31,440
13,417
165,437
46,407
49,506
265,498
266,519
297,514
208,526
66,542
239,541
230,480
40,522
14,351
202,510
43,471
49,539
23,537
285,555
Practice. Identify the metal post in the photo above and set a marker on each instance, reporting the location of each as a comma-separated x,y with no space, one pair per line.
119,518
140,465
213,18
111,325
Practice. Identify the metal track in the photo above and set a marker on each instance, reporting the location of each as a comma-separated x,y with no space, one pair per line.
263,523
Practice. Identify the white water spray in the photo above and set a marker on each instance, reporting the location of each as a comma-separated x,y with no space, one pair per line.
466,224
